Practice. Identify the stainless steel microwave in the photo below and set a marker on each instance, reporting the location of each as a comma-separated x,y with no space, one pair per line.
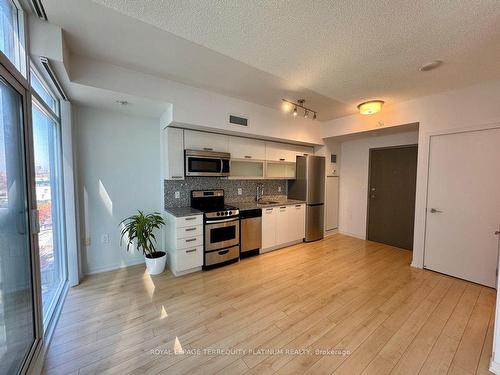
207,163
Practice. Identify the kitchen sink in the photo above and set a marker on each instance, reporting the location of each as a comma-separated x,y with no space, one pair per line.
267,202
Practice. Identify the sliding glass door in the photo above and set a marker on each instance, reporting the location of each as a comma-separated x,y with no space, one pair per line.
48,196
17,293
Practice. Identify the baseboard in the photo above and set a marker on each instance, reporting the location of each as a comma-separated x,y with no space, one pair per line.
281,246
361,237
494,367
331,232
115,266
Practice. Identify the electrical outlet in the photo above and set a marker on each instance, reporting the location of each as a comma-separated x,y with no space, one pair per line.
177,194
279,189
240,191
105,238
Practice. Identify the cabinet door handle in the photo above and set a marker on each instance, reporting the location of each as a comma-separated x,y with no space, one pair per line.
222,252
190,229
190,251
269,209
191,240
208,149
283,207
248,157
176,176
190,218
298,205
281,159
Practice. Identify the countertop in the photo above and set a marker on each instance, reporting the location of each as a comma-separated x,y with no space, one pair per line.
242,206
183,211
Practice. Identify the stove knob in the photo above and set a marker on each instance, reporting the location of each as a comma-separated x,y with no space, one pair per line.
223,213
218,213
230,212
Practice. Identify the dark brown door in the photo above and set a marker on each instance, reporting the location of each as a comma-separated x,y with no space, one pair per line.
391,195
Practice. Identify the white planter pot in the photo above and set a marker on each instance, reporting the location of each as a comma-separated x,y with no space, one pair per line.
156,266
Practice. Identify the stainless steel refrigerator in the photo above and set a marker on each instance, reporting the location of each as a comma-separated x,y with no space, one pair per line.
309,186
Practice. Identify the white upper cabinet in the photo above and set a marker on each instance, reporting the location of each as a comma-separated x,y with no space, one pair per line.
286,152
280,152
244,148
194,140
302,150
173,153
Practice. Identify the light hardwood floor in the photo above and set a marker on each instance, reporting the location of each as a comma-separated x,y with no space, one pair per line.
279,313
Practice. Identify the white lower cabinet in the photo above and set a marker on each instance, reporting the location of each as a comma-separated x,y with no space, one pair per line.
269,221
282,225
184,243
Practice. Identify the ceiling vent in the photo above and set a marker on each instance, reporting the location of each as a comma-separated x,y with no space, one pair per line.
238,120
38,9
50,72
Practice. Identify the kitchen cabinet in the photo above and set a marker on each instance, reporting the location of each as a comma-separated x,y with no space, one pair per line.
269,226
184,243
283,230
195,140
280,170
173,153
246,169
244,148
282,225
285,152
297,221
280,152
302,150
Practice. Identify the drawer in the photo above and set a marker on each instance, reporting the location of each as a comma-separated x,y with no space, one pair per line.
194,241
188,258
190,231
188,221
218,256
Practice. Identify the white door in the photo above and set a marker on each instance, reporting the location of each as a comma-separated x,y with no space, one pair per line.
463,205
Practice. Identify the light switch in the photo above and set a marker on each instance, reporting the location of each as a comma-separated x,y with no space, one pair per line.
177,194
240,191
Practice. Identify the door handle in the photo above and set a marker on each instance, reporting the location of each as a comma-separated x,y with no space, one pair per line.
435,211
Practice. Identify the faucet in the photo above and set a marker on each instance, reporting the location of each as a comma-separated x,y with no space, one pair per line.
260,192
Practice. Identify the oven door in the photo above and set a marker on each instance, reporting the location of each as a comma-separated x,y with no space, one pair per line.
222,233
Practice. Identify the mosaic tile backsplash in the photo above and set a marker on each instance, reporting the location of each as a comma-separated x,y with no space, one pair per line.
230,187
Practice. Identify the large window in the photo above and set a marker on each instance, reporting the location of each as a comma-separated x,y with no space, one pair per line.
46,147
12,33
19,313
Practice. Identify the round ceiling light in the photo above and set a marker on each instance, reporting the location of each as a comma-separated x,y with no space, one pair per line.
370,107
430,65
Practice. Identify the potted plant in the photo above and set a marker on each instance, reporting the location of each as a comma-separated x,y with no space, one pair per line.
140,228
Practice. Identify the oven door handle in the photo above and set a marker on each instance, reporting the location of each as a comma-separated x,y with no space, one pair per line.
221,221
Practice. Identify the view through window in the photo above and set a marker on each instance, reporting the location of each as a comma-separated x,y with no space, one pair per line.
46,147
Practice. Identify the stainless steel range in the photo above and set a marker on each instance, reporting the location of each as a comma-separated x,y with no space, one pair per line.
221,227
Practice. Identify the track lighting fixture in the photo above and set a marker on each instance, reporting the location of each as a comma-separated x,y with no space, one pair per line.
300,104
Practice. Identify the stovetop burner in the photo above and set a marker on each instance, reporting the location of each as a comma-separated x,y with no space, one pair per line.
211,202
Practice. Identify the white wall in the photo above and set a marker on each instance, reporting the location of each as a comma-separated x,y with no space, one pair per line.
118,167
354,178
458,109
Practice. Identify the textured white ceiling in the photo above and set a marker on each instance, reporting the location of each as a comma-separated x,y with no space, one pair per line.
343,51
